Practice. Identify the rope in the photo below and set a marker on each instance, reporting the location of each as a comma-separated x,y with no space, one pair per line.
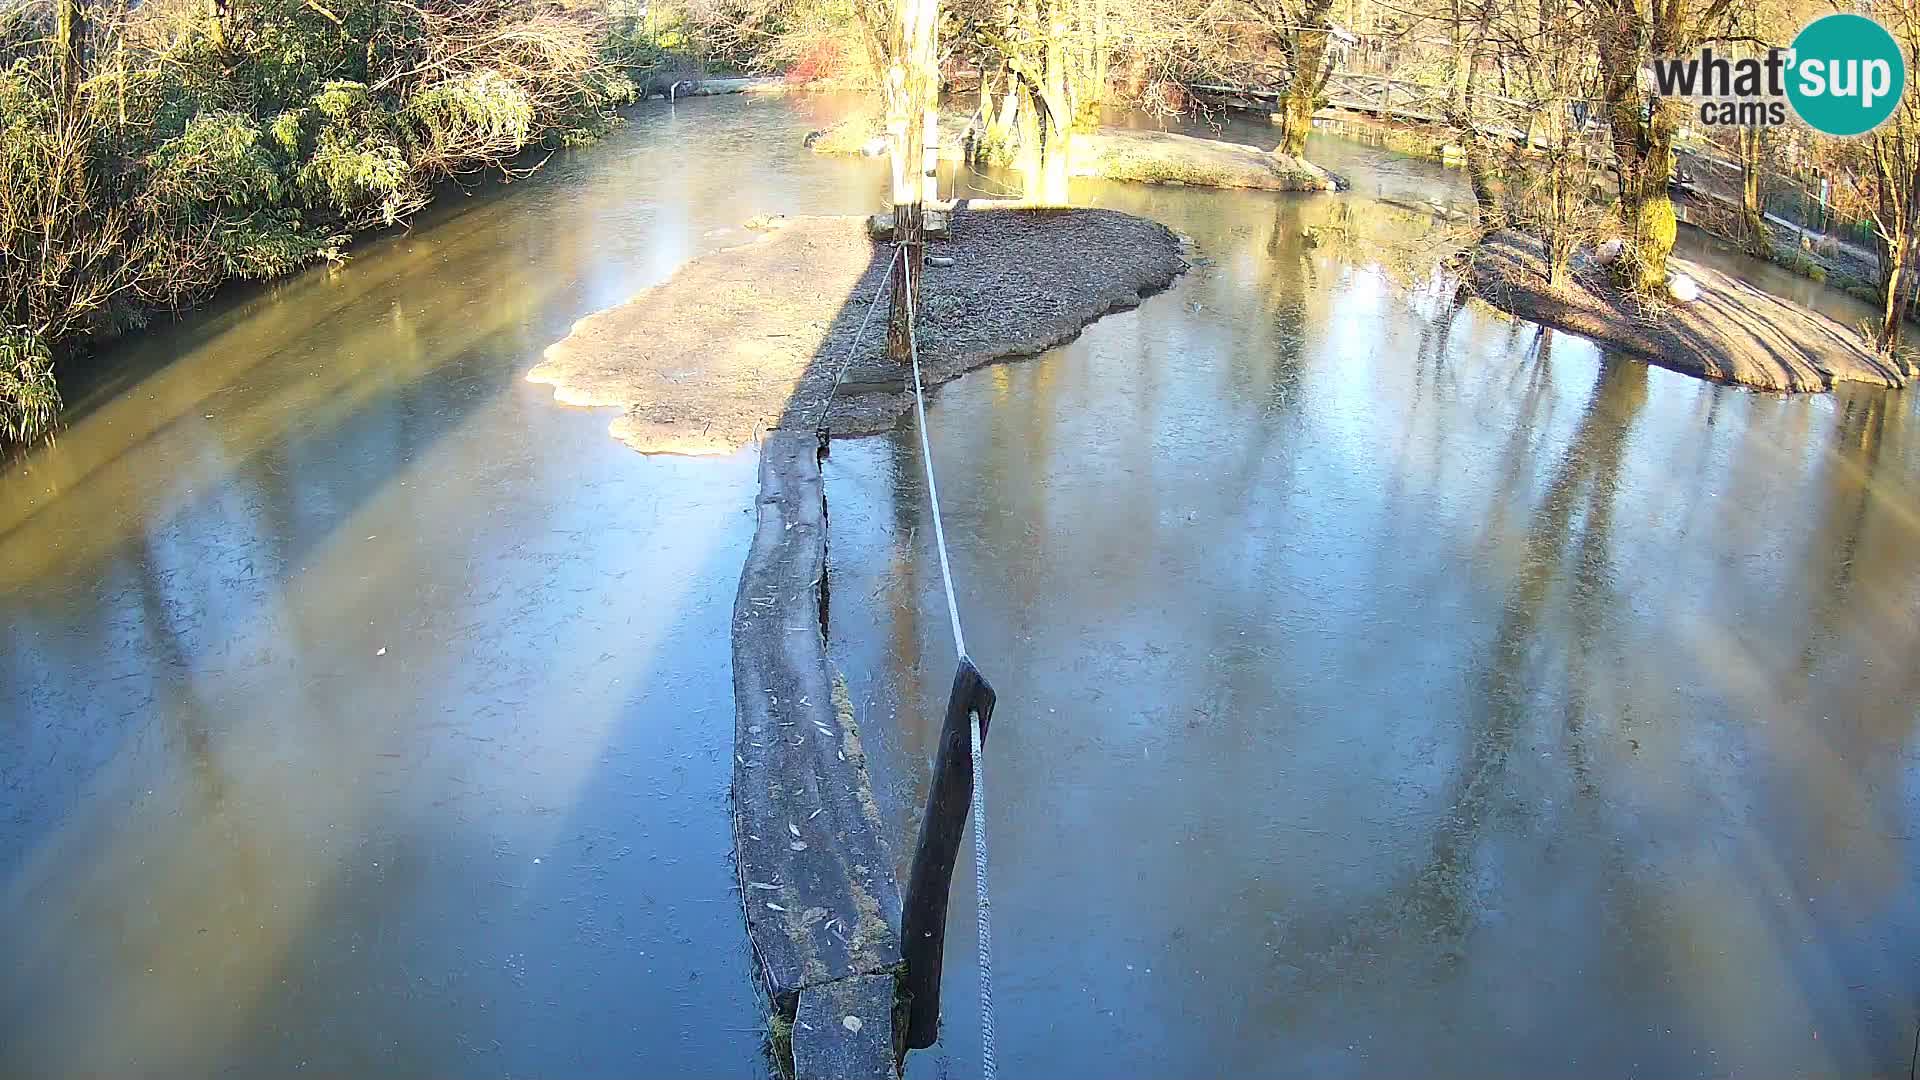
982,911
854,348
926,457
983,905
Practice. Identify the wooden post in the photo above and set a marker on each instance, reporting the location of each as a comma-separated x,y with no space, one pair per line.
930,157
913,82
923,923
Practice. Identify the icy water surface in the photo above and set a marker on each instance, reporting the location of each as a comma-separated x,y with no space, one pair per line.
364,712
1387,690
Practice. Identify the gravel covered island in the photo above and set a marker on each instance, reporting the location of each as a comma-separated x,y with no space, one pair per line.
753,337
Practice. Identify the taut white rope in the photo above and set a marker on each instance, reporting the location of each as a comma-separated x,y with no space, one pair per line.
983,905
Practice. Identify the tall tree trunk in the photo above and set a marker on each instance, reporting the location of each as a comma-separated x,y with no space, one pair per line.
1480,171
1643,125
1027,115
1753,212
1897,185
218,12
1643,144
1893,310
1046,144
1046,109
69,47
1000,133
1309,53
912,96
1461,114
1056,141
986,126
1100,45
930,154
1460,68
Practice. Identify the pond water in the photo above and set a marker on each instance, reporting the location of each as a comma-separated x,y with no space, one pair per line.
1393,690
362,711
1384,687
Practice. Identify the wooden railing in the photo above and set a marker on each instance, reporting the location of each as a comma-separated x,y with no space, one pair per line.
1399,99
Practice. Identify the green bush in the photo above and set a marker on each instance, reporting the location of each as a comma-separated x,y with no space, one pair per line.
188,158
291,135
29,400
220,160
635,49
1795,260
64,229
591,113
469,119
270,243
358,168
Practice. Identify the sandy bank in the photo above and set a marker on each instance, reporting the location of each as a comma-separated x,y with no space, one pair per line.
1165,157
1734,333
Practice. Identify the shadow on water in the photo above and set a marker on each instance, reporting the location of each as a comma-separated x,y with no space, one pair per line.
1391,686
364,711
1429,917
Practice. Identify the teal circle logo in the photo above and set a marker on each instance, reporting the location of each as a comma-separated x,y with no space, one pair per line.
1846,74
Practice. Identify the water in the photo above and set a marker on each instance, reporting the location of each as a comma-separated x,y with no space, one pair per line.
1389,690
1384,688
361,710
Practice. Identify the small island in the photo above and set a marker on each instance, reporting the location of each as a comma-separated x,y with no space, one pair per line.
1165,157
1732,333
757,336
1137,155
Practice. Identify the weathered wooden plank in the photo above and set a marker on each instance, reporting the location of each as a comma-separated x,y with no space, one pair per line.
844,1030
949,797
816,878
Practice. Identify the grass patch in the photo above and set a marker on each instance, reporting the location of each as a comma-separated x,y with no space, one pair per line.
780,1044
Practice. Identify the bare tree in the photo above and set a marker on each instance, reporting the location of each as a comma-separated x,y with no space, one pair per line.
1881,178
1757,238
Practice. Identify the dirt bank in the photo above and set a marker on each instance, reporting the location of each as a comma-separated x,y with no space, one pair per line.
1164,157
1734,333
753,337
